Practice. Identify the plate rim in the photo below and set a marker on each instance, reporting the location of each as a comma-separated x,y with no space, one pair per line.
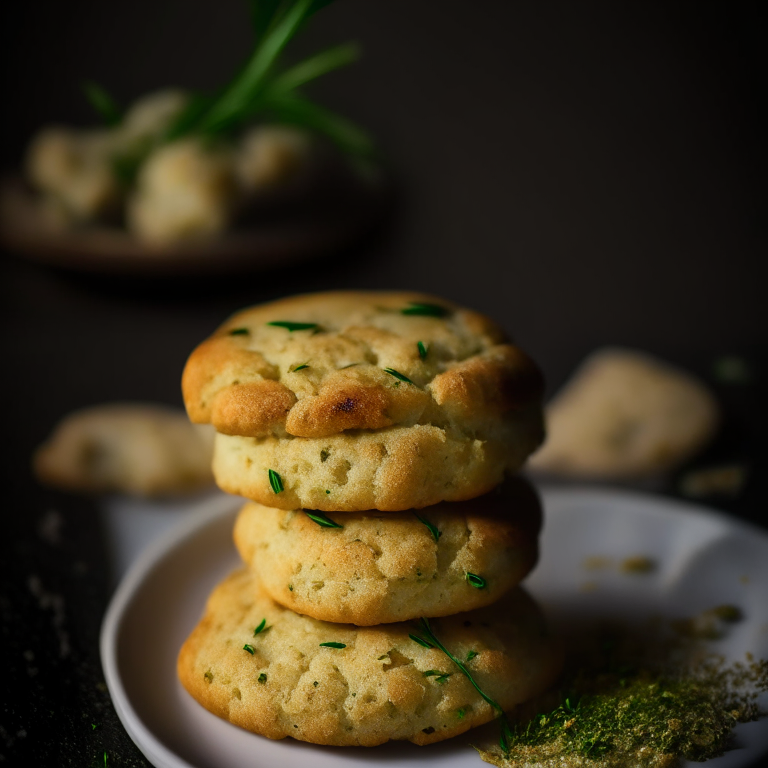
177,535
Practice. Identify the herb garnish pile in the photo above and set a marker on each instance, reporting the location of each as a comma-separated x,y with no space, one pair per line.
646,699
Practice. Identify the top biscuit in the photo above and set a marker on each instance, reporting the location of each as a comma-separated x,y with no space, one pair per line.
318,365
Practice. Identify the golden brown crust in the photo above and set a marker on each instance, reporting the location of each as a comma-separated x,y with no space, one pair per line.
370,691
381,568
359,366
255,409
217,363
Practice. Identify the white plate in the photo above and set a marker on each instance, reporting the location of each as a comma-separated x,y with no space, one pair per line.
704,559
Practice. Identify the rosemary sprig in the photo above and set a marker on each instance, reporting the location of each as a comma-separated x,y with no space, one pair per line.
298,368
423,349
261,628
333,645
275,481
291,326
432,641
432,527
321,519
398,375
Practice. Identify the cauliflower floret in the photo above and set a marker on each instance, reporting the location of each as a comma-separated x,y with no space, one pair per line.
150,116
269,155
76,169
185,190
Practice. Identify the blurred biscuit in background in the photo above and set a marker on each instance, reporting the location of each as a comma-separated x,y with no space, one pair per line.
625,414
138,449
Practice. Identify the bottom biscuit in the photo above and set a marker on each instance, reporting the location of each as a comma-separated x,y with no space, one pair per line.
342,685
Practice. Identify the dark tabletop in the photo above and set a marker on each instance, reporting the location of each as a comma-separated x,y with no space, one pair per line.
586,174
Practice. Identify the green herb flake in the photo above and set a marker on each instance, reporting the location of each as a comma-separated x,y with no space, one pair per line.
421,641
324,454
381,658
248,648
240,332
398,375
471,655
261,628
263,678
290,587
315,684
290,326
461,712
275,481
94,726
321,519
478,582
208,676
105,760
327,491
333,645
432,528
440,677
425,310
423,350
298,368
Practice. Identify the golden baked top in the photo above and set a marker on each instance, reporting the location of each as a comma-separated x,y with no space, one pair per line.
319,364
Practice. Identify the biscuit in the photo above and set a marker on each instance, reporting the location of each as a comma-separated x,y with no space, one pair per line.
390,567
625,414
380,685
391,469
138,449
318,365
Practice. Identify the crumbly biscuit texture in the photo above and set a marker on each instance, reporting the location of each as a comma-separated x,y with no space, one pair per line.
319,365
626,414
138,449
380,685
391,469
389,567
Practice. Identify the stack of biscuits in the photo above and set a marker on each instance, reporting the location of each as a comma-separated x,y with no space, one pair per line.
376,436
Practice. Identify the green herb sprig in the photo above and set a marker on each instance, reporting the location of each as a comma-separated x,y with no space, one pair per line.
263,88
276,481
478,582
248,647
430,640
436,534
291,326
398,375
425,310
440,677
333,645
261,628
423,349
321,519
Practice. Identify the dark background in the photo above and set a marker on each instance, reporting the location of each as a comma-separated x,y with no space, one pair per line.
585,173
